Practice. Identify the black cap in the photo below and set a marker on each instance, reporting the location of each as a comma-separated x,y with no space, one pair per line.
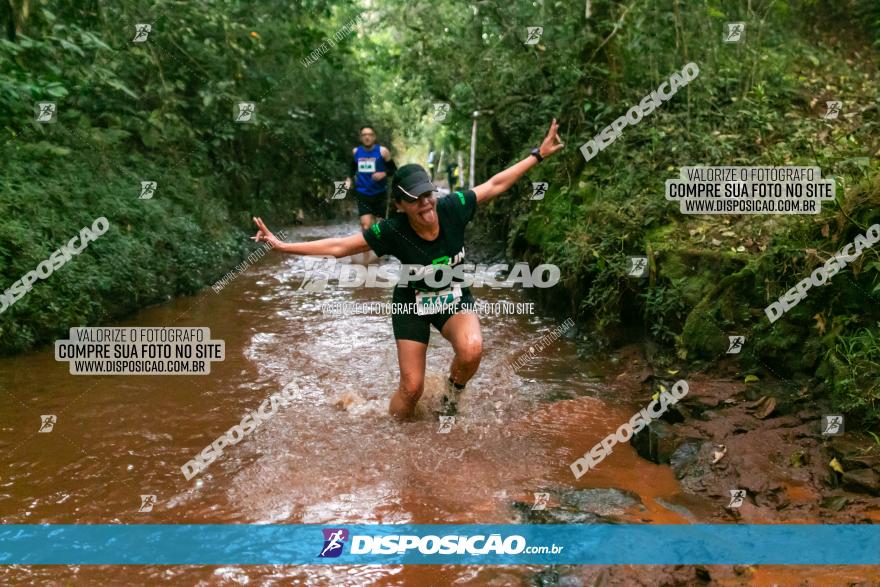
410,182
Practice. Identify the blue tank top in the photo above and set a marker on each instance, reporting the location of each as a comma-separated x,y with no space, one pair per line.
368,163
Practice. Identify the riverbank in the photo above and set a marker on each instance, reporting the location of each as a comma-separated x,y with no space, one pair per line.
709,277
725,434
173,243
148,132
172,240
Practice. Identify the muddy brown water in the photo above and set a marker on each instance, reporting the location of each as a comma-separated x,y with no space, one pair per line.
324,459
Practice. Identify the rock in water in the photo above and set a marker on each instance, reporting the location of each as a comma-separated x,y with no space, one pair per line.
655,442
602,502
685,456
862,481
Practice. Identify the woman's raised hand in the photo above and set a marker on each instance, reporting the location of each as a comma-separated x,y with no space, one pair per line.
552,142
264,235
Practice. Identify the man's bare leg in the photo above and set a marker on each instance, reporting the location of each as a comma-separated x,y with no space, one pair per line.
367,220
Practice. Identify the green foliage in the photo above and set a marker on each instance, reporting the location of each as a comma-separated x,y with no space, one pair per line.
754,103
154,249
855,377
665,310
161,111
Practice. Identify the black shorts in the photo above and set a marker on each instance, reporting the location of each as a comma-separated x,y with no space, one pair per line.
375,205
408,325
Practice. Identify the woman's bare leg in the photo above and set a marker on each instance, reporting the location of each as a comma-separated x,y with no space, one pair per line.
411,359
463,331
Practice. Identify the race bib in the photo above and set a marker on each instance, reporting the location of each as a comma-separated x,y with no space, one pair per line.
366,165
431,302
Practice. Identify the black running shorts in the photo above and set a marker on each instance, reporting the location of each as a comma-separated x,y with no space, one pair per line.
375,205
408,325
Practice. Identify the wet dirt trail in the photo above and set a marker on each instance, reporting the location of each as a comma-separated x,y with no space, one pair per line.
333,457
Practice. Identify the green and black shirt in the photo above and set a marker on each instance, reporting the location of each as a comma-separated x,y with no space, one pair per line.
394,236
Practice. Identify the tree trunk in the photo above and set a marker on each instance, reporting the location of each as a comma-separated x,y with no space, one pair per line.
9,18
23,13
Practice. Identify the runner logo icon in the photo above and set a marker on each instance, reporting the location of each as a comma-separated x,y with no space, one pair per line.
539,188
833,107
734,32
148,188
832,425
147,503
45,111
141,32
533,35
245,112
339,190
541,500
47,423
737,496
441,109
334,539
637,266
318,271
736,344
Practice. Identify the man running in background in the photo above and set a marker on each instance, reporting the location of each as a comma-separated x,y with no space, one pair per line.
428,232
452,175
371,165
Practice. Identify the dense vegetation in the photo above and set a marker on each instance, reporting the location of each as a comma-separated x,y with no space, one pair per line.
755,103
162,110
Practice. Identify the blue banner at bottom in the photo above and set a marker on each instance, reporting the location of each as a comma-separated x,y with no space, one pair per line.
468,544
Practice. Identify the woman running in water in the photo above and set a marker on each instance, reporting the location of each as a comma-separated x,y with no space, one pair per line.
426,232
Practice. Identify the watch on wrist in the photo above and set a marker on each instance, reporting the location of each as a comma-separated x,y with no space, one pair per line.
537,153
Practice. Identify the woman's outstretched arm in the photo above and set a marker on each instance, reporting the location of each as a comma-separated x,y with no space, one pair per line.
335,247
501,182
